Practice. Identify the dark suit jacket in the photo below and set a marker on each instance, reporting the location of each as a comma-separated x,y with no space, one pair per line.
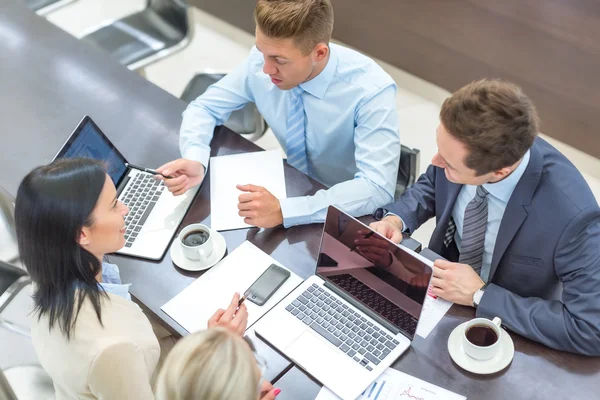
545,274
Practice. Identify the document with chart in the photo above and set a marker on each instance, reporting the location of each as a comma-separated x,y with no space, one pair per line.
396,385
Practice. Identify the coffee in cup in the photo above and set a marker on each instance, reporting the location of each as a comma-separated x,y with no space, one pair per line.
196,242
195,238
481,338
481,335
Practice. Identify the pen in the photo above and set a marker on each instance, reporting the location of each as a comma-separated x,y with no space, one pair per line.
368,235
148,170
241,301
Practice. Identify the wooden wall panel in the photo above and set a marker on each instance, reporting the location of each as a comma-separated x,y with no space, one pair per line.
549,47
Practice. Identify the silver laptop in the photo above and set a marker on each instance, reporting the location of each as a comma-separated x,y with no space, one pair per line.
154,213
351,320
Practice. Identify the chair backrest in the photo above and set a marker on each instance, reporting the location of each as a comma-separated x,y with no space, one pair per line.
408,169
8,238
9,274
246,121
175,12
6,391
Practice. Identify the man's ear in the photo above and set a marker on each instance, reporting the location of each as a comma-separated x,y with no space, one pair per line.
502,173
321,51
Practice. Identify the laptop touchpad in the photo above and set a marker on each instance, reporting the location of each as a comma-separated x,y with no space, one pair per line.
314,354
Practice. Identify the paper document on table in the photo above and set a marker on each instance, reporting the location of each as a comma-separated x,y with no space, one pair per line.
261,168
433,311
193,307
396,385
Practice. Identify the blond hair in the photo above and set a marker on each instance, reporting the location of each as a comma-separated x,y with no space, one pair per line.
308,22
215,364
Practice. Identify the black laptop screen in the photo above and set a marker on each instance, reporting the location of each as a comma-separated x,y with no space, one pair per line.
372,270
89,142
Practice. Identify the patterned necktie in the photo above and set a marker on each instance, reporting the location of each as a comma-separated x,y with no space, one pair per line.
474,227
295,138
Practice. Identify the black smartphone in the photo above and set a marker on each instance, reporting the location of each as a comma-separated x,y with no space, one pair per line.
263,288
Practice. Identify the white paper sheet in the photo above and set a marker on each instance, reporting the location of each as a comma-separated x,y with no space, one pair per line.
193,307
261,168
396,385
433,311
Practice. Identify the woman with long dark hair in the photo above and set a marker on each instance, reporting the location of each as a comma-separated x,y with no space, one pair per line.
90,337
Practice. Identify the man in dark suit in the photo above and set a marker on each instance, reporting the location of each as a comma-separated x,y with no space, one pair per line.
516,221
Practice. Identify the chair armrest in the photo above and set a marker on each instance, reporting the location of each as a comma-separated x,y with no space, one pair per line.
12,291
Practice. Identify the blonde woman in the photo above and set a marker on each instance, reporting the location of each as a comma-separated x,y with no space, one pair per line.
216,364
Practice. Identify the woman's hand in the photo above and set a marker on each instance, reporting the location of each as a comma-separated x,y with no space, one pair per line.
235,319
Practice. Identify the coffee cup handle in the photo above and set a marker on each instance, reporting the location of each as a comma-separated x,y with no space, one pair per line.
497,321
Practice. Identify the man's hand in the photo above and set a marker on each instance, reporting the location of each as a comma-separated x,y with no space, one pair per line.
185,175
390,227
259,207
455,282
235,319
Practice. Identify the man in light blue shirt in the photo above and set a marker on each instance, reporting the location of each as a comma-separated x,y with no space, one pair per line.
332,109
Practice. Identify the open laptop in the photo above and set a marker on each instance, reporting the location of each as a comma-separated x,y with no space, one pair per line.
351,320
154,213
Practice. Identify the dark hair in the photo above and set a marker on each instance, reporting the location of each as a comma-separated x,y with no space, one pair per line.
53,203
494,119
308,22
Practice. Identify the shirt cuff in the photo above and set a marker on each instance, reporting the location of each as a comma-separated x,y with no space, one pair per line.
404,228
197,153
295,211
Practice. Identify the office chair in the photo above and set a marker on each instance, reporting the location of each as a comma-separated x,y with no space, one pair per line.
26,382
43,7
137,40
12,281
21,382
408,169
9,251
247,121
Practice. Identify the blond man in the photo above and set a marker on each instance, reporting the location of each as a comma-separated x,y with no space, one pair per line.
332,110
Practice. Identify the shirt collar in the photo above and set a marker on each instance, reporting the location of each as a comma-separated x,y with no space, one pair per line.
111,281
504,189
318,85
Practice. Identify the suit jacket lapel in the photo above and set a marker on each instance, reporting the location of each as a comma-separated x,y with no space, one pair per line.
515,213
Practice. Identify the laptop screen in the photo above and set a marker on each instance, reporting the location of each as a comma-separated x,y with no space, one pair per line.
88,141
383,277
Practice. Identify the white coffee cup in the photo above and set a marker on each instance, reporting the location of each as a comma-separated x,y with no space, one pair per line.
478,338
193,251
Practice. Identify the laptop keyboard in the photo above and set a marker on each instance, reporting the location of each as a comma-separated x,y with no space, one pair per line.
140,196
343,327
388,310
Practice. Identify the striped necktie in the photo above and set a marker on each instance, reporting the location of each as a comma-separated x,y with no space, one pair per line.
474,227
295,138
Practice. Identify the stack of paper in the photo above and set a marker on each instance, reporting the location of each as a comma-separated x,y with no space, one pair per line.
261,168
396,385
433,311
193,307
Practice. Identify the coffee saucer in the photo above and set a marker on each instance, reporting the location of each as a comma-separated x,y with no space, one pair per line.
219,249
491,366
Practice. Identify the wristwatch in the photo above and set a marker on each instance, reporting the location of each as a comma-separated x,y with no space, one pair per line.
380,213
477,297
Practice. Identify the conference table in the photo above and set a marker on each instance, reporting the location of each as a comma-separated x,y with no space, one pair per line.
49,80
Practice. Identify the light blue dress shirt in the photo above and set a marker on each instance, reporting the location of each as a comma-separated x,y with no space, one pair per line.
111,281
352,138
498,197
